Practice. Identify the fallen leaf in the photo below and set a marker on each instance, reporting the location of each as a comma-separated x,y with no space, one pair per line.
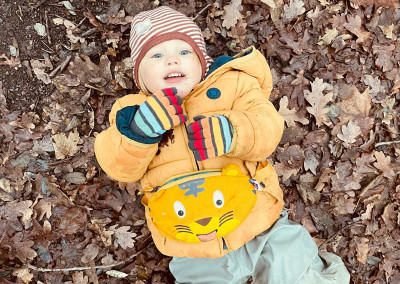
354,26
383,164
270,3
90,253
116,273
12,62
349,133
343,204
23,248
362,248
13,210
293,10
319,101
23,274
330,35
232,14
290,115
79,278
123,238
66,145
75,178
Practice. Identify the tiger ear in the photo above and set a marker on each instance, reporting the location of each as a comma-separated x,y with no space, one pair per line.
232,170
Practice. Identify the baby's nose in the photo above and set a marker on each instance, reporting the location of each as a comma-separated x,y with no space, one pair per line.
172,60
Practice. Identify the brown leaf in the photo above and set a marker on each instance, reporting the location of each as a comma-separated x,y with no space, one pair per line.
350,133
319,101
362,248
123,238
92,19
72,220
384,58
343,204
23,247
354,26
66,146
293,10
90,253
389,216
13,210
356,104
232,14
12,62
78,278
383,164
23,274
290,115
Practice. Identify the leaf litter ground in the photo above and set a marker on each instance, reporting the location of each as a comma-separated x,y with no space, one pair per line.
335,66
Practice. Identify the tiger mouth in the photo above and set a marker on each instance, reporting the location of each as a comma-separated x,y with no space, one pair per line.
207,237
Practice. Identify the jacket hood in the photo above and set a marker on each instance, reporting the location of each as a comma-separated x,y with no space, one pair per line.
250,61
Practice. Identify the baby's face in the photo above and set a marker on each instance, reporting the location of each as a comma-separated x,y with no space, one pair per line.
172,63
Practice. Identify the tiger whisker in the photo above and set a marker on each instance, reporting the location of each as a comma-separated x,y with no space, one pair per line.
222,219
229,212
226,220
185,232
182,226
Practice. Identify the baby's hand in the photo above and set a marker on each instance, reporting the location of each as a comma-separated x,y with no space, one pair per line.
210,137
161,112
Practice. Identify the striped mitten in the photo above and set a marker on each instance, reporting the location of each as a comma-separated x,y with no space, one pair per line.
210,137
161,112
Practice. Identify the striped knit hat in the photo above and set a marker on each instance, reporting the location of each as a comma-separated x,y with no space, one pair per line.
150,28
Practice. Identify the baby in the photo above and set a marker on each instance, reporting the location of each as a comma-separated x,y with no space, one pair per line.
195,136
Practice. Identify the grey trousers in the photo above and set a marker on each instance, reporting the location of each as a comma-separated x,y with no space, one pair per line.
284,254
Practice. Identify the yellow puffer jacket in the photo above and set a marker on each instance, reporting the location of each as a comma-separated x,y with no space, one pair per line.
238,90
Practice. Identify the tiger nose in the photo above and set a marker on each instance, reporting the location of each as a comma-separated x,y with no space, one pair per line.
204,221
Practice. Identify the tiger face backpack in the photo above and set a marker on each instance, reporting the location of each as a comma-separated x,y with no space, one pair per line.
202,206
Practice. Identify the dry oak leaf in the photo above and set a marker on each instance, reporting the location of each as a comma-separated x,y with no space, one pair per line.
374,83
362,248
350,133
293,10
319,101
357,104
78,278
232,14
43,207
329,36
383,164
66,146
385,55
23,248
12,62
23,274
123,238
354,26
388,31
290,115
343,204
12,210
389,216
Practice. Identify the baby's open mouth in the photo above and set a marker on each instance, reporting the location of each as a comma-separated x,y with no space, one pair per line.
207,237
174,75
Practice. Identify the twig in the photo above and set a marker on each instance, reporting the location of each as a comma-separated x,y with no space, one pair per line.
83,267
52,51
202,10
335,234
60,67
387,143
47,27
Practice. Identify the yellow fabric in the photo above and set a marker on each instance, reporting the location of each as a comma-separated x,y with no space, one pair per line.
245,85
174,208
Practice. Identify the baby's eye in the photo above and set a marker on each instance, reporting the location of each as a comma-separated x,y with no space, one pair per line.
184,52
157,55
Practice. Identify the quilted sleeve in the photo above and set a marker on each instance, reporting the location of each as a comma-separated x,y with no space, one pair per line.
118,154
258,126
